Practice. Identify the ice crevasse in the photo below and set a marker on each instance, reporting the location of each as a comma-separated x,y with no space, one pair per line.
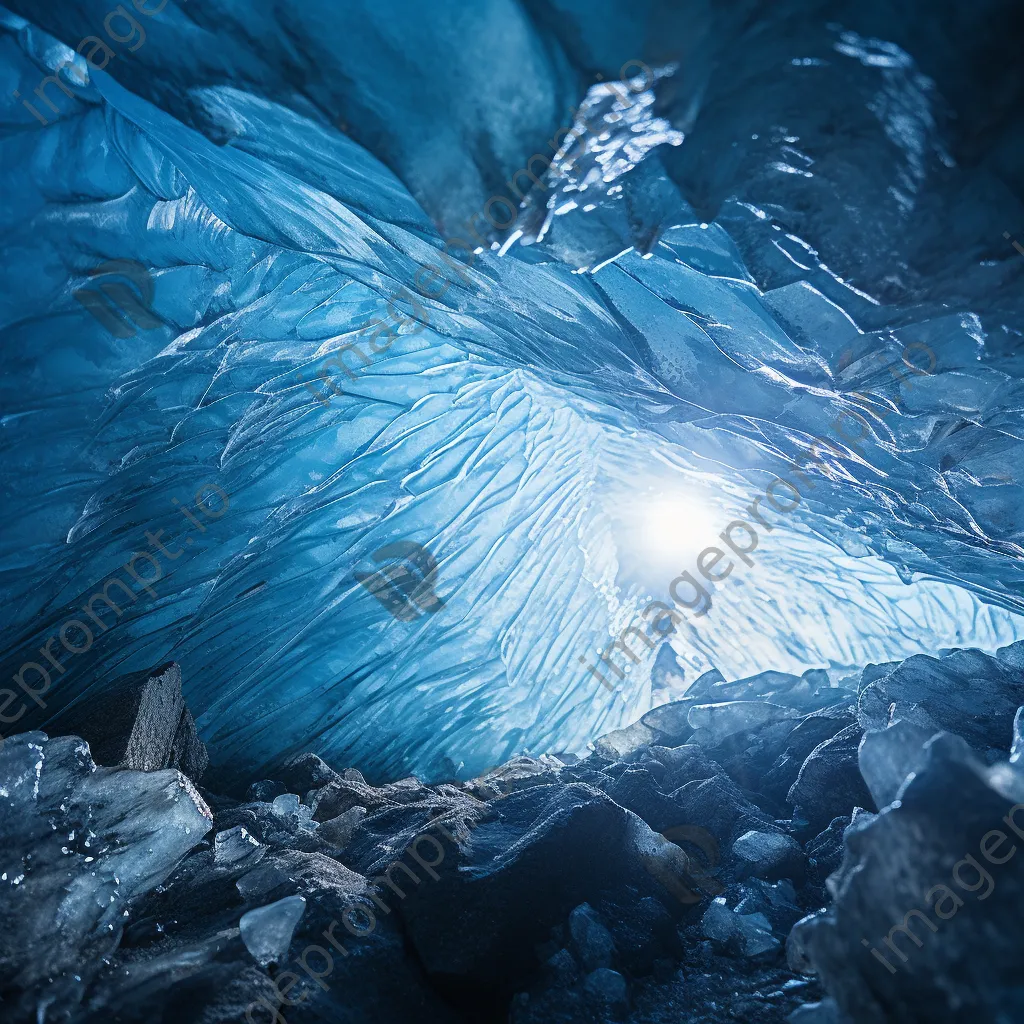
585,408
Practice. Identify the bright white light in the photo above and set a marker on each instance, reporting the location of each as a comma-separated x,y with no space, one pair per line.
663,531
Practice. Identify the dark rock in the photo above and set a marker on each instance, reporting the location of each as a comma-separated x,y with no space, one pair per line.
770,855
535,856
519,773
343,794
564,1006
830,784
814,729
824,855
717,805
922,883
797,954
608,990
210,980
338,973
747,757
887,756
637,790
304,772
560,969
642,929
743,935
265,791
188,752
289,873
590,939
136,721
777,902
966,692
236,848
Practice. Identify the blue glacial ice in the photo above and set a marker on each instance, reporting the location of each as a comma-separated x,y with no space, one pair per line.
676,319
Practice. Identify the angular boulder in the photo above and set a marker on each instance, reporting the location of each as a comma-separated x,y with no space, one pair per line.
136,721
966,692
830,784
769,855
928,920
475,918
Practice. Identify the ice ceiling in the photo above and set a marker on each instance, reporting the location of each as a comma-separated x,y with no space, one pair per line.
713,274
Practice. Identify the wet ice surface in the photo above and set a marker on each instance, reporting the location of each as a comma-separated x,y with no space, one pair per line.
267,931
563,443
78,843
234,846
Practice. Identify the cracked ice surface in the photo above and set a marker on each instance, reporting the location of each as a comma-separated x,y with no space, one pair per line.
563,442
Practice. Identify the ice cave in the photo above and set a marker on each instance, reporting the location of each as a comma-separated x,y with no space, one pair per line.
514,512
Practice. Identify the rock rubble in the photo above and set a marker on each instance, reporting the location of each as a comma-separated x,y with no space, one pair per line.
772,849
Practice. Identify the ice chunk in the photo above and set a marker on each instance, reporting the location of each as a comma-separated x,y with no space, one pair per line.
95,838
714,722
235,846
286,805
267,931
1017,749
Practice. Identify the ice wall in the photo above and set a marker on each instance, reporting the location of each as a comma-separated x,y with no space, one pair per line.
564,428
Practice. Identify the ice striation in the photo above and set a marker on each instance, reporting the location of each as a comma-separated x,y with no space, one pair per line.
563,428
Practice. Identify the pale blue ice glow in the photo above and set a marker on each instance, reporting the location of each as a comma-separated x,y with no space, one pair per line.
564,443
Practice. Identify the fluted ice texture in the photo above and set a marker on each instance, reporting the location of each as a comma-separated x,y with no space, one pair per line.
564,429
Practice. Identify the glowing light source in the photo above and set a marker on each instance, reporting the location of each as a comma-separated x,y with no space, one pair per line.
664,529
